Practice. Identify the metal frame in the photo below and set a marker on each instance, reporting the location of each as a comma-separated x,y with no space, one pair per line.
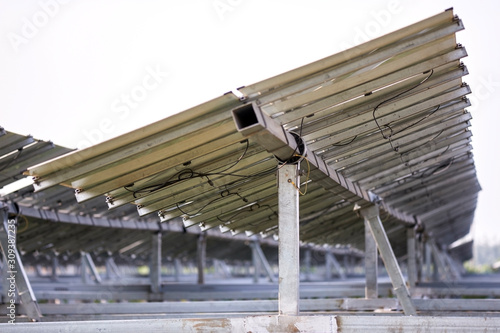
371,216
289,259
371,264
23,286
267,323
258,259
155,268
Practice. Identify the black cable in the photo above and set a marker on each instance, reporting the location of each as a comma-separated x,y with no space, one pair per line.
168,182
392,98
239,159
250,209
421,119
189,173
222,196
344,144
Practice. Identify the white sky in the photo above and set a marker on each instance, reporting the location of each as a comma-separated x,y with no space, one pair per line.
67,67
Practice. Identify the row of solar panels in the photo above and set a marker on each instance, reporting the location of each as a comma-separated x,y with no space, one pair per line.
384,122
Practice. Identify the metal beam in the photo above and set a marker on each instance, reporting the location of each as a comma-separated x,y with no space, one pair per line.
14,267
155,270
263,260
256,263
111,268
54,265
371,264
438,261
270,323
288,224
428,261
83,269
331,261
454,270
201,257
412,257
202,308
307,264
93,270
371,216
178,269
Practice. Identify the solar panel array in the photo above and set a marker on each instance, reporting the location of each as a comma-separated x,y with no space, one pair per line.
384,122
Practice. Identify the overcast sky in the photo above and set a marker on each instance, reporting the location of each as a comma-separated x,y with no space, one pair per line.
80,72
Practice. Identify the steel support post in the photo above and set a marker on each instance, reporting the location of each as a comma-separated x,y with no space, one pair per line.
255,263
15,267
347,264
454,270
263,260
38,270
331,262
55,266
108,268
93,269
441,271
178,269
155,271
307,264
201,257
420,260
412,257
111,268
83,268
371,264
289,254
428,261
371,216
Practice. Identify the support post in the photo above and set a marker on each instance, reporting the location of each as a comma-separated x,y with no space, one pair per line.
201,257
371,216
83,269
331,261
420,259
307,264
262,259
255,263
38,270
155,271
93,269
178,269
347,264
288,224
15,267
371,264
412,257
441,271
54,265
428,261
452,264
111,268
108,268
